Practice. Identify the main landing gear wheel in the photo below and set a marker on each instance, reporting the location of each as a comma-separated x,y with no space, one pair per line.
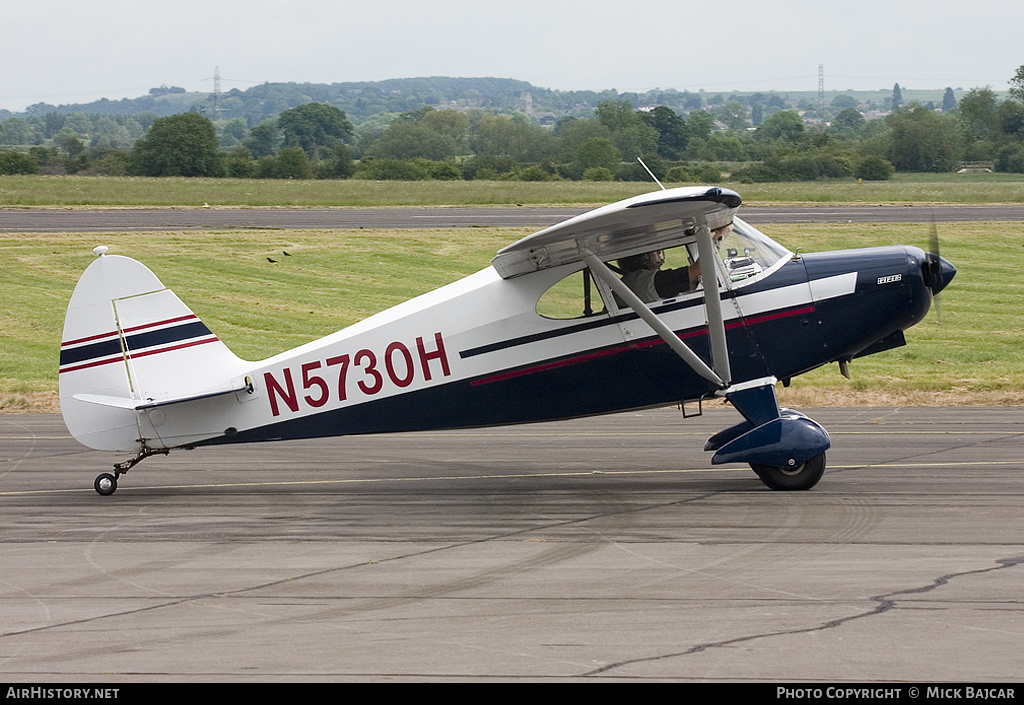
105,484
801,477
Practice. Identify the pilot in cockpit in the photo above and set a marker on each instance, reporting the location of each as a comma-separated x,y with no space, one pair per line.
644,276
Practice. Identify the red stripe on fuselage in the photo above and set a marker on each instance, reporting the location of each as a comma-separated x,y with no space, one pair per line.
634,346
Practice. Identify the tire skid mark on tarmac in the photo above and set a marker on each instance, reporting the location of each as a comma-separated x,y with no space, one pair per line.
557,554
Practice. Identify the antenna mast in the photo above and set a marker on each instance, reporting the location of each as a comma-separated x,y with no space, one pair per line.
651,173
821,89
216,92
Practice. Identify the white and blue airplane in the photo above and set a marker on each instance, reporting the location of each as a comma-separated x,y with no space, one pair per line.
552,329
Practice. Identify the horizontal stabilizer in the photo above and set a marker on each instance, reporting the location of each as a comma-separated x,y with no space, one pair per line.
142,404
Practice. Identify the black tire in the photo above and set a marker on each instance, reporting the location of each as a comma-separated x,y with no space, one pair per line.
105,484
803,477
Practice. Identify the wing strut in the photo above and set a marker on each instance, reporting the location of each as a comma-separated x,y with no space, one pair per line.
601,270
708,259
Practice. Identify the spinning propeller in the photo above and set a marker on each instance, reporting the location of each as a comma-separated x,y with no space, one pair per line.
938,272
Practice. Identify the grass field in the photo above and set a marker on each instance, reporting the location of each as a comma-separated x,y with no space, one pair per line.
332,278
81,191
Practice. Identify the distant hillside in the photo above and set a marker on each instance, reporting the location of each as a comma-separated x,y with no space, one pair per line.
359,100
364,100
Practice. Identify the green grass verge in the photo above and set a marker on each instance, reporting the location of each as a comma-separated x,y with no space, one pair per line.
332,278
82,191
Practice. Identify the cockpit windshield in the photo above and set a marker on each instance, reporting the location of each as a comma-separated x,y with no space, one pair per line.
746,251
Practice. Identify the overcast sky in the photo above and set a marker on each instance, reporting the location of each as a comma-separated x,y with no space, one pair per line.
76,51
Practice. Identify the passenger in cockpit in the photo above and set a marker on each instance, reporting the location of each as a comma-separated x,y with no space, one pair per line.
645,277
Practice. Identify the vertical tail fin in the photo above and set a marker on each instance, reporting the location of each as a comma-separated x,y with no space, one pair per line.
129,344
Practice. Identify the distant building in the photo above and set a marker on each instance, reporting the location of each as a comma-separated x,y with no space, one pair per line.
525,103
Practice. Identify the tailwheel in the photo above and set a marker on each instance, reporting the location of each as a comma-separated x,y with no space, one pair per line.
105,484
801,477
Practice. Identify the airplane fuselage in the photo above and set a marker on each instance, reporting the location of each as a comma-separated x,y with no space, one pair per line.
548,331
476,353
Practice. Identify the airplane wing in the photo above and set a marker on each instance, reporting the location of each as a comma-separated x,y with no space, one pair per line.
652,221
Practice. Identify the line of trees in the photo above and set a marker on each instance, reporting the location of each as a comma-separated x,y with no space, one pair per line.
316,140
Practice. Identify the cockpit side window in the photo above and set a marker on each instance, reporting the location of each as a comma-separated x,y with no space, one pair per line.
574,296
745,252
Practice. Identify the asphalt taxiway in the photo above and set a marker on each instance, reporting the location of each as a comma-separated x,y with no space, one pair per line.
592,549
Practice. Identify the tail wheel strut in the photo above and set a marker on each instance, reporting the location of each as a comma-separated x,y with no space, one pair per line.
106,484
